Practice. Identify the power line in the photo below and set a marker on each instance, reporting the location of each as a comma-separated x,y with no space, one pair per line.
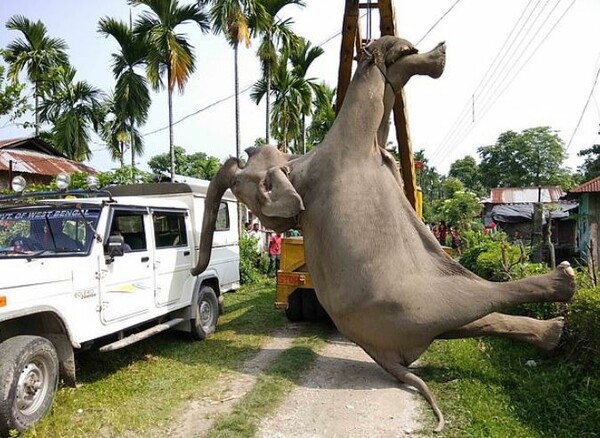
496,90
446,143
246,88
437,22
491,94
584,109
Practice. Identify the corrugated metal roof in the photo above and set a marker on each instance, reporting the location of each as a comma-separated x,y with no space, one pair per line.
588,186
513,195
32,155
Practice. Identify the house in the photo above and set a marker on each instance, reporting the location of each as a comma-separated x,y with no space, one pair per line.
36,160
511,209
588,195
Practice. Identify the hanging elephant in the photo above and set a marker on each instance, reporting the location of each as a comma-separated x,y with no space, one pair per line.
377,269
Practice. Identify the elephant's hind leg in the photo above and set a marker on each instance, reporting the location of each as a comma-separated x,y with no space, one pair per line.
544,334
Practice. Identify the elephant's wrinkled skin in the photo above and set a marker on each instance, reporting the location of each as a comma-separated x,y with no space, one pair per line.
377,269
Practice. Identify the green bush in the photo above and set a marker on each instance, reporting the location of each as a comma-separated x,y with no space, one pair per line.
250,260
582,336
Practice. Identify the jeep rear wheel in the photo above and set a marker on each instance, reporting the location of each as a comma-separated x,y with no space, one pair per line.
29,369
205,312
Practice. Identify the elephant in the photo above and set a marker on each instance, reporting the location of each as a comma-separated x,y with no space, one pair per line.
377,269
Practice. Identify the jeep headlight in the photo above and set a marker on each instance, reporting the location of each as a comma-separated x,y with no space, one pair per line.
18,184
63,180
92,182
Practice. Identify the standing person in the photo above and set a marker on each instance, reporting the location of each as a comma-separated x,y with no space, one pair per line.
455,240
274,253
257,235
443,230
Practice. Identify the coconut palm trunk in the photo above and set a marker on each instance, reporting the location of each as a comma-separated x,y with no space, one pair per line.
268,105
171,138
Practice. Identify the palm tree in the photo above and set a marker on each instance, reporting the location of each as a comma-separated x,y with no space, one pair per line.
37,53
131,100
73,109
289,94
323,114
275,35
237,20
169,51
117,132
293,94
302,56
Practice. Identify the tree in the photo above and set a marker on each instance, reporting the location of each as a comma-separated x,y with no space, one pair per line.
12,102
37,53
323,114
237,19
292,94
117,132
131,99
461,209
276,35
169,52
452,185
198,165
467,171
430,182
591,165
302,56
531,157
74,108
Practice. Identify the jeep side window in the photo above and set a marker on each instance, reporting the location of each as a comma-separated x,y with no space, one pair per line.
169,229
222,223
130,224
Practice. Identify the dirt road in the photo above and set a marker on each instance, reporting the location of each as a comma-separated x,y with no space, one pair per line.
345,394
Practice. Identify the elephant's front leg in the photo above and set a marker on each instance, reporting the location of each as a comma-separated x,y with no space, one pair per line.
544,334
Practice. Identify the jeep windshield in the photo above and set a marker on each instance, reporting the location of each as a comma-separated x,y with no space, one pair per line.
46,231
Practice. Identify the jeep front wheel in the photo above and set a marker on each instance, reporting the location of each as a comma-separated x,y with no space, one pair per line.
29,373
205,312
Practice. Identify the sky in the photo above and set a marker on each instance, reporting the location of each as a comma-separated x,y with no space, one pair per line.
511,65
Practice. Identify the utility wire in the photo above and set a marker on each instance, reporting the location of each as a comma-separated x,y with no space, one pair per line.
584,109
491,94
245,89
495,93
437,22
491,71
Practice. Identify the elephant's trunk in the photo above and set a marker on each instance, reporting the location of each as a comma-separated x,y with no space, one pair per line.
217,187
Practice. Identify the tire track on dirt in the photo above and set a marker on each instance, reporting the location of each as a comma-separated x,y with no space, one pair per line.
346,394
200,414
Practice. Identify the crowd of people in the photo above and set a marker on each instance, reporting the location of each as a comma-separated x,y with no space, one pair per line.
268,242
447,235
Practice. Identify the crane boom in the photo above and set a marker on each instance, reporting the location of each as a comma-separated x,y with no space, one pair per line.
352,42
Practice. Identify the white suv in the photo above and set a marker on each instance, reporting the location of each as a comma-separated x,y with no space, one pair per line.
104,271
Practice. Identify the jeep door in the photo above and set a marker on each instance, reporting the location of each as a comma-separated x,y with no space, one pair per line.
127,286
173,255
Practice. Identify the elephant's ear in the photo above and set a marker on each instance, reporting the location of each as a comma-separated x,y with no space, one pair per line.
282,200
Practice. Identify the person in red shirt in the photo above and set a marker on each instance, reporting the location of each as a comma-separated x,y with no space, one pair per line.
274,253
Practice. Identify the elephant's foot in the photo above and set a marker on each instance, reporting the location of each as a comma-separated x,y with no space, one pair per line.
550,337
544,334
564,279
558,285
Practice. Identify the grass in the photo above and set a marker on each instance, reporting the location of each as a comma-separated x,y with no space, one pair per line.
485,389
271,387
142,388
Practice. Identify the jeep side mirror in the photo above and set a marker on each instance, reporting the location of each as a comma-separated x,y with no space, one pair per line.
114,248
